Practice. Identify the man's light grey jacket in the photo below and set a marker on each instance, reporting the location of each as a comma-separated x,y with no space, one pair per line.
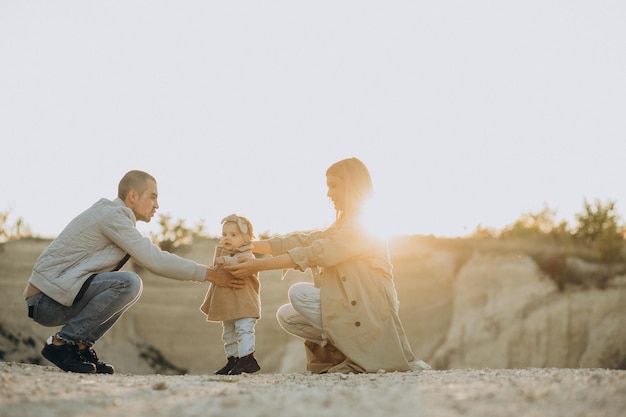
95,242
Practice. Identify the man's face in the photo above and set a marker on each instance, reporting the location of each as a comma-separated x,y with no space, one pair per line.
146,204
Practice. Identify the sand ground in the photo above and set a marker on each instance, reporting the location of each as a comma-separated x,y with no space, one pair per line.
41,391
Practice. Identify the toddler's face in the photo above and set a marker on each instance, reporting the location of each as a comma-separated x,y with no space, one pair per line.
231,236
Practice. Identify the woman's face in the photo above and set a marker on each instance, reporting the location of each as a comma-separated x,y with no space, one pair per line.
336,192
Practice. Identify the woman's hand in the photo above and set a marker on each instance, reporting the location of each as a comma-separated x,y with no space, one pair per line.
245,267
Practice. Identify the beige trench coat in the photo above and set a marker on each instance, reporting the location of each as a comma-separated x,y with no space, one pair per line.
222,303
359,302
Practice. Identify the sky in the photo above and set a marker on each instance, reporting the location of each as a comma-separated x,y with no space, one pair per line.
466,113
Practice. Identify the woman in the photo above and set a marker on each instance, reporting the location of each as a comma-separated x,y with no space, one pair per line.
349,315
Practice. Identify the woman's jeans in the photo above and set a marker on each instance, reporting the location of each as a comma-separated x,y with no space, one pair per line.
108,296
302,317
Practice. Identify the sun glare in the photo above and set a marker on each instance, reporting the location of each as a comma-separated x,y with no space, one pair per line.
382,220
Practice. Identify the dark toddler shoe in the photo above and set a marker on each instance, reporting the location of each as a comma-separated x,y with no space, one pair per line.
89,355
67,358
232,361
245,364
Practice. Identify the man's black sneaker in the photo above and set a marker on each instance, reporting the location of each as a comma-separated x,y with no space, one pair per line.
232,361
245,364
67,358
89,355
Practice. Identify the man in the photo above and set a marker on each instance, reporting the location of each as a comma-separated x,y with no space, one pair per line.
76,281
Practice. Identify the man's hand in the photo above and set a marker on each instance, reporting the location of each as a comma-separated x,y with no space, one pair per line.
222,278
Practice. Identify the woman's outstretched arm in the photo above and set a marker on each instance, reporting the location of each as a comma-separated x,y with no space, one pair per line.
247,267
262,246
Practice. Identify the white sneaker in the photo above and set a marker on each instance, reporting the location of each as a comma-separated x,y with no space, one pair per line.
419,365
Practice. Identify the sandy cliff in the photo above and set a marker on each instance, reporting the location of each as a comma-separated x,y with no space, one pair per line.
509,314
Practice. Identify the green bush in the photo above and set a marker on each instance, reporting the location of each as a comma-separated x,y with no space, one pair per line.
598,228
174,234
597,239
14,231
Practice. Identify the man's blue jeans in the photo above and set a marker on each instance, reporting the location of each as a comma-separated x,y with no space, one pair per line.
108,296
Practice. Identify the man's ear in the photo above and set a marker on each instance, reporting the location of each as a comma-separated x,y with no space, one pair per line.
131,198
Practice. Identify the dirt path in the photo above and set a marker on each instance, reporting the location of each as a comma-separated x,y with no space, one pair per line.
32,390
